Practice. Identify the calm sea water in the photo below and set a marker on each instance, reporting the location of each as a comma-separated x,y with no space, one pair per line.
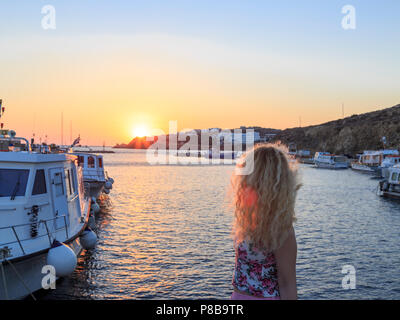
167,234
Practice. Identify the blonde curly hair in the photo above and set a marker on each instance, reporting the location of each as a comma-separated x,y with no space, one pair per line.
264,200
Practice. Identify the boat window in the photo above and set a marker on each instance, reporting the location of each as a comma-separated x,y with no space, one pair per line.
13,182
90,162
73,188
39,186
81,161
100,162
394,176
68,181
58,184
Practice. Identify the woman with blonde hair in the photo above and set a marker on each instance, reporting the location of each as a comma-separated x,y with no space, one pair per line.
265,242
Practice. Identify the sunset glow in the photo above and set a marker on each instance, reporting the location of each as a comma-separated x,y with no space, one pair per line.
263,70
140,131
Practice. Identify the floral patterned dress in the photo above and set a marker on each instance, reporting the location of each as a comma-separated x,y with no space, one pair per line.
255,271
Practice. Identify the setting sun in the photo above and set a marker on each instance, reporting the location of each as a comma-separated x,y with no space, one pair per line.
140,131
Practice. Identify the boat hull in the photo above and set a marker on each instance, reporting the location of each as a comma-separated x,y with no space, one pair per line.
95,188
387,194
364,168
30,270
306,160
335,166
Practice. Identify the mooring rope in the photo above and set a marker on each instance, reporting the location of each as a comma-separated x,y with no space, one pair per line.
4,280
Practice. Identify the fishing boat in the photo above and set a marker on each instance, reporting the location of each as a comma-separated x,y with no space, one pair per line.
390,187
370,161
327,160
44,213
95,178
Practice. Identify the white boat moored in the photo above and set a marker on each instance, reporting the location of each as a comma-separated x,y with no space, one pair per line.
95,178
390,187
42,202
327,160
370,161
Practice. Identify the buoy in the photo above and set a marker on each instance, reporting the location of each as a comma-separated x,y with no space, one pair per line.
108,185
88,239
106,191
95,207
62,258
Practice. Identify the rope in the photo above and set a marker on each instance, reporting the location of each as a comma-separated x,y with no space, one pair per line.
4,280
22,280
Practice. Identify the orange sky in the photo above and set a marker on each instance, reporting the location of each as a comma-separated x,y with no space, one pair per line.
107,85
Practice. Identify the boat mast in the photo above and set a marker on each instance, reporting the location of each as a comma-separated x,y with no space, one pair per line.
62,128
1,113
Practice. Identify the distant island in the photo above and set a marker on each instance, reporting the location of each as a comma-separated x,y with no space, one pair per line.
350,135
261,134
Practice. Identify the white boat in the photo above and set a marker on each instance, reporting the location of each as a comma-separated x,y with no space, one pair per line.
327,160
370,161
95,178
390,187
388,162
43,215
304,156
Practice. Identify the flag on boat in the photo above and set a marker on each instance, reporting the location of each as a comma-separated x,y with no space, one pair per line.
76,141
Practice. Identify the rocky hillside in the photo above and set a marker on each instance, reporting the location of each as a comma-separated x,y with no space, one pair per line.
350,135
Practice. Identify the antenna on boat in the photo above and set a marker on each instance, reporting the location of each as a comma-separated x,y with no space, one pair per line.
1,113
62,128
70,131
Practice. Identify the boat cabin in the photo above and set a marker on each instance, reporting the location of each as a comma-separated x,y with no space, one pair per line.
92,166
394,175
41,199
375,158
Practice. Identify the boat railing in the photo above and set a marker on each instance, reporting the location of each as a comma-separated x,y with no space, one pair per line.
14,139
34,229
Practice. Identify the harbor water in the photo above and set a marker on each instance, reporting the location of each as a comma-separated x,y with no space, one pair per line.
166,234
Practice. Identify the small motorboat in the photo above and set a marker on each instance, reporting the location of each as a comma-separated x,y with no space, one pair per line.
327,160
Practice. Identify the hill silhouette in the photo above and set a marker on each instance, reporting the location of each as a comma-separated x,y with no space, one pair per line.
349,135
